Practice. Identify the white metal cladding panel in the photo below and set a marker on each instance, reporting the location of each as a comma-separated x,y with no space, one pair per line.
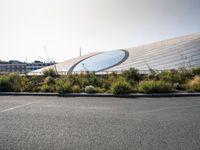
169,54
187,56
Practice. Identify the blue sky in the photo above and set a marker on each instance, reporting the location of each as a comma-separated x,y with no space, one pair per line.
95,25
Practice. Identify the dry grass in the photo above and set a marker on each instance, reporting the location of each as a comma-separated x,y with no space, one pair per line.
194,84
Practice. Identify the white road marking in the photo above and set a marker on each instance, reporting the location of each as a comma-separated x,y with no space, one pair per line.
154,110
19,106
168,108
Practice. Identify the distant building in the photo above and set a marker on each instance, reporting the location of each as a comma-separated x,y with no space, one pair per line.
22,67
12,66
37,65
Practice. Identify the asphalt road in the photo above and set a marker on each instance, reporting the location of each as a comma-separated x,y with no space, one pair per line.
48,123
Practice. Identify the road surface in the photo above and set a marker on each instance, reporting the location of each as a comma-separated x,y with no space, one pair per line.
82,123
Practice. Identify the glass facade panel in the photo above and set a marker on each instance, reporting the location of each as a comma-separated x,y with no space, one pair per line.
101,61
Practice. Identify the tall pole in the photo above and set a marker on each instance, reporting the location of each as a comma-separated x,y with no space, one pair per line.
48,60
80,51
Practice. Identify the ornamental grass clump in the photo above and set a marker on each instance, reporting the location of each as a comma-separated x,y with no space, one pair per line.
194,84
49,73
172,76
132,75
63,86
121,87
154,87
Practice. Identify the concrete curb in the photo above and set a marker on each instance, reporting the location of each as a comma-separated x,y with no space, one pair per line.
100,94
27,94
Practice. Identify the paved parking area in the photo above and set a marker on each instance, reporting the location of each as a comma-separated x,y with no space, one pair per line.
47,123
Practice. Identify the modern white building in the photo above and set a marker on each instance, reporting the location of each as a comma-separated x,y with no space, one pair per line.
168,54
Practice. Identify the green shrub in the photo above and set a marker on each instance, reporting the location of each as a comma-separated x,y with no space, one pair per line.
113,77
173,76
83,82
73,79
196,71
45,88
15,80
63,86
101,90
49,80
90,89
120,87
194,84
27,85
49,73
93,79
33,84
185,73
48,85
106,84
131,75
87,79
154,87
5,85
10,83
76,89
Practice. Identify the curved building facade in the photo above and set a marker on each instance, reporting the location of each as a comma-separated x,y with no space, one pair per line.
168,54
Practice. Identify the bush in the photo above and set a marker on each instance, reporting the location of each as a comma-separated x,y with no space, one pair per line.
76,89
173,76
48,85
93,79
90,89
101,90
10,83
88,79
5,85
27,85
120,87
49,80
63,86
155,87
15,80
196,71
194,85
49,73
45,88
73,79
131,75
106,84
32,84
185,73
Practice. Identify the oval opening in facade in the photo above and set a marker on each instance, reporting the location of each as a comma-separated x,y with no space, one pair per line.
101,61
